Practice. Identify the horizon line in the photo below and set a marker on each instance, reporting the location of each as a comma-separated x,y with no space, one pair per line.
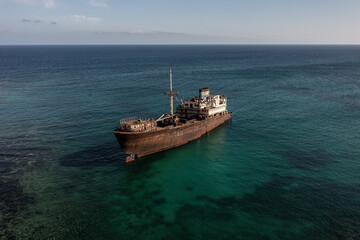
188,44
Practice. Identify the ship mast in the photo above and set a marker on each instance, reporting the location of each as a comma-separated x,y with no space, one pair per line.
171,94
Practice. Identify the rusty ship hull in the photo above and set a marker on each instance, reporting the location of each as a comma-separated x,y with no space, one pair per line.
160,139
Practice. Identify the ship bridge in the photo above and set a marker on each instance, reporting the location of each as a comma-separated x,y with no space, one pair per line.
203,105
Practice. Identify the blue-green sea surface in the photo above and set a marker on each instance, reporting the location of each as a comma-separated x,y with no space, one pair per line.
287,166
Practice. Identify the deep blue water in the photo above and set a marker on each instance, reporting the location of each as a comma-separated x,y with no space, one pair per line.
286,167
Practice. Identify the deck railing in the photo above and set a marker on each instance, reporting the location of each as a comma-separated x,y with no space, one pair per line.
122,120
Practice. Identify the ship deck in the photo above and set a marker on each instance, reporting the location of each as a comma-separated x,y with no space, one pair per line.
158,129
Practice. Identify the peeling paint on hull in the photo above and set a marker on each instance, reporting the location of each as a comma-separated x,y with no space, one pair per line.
145,143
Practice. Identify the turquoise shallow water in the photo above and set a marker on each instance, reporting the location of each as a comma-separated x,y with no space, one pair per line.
285,167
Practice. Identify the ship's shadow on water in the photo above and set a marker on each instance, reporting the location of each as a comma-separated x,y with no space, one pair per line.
107,154
110,153
99,155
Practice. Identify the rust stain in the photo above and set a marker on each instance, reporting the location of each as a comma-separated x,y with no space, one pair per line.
149,142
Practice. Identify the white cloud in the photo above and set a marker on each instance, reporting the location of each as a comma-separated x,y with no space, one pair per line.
98,3
28,20
144,32
82,18
44,3
25,2
48,3
141,32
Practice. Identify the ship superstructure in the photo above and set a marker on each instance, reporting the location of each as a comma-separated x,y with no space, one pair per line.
202,105
193,118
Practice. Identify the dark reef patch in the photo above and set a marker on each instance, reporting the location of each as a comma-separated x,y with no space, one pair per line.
99,155
14,162
210,219
201,222
334,207
302,198
63,225
307,160
13,200
188,212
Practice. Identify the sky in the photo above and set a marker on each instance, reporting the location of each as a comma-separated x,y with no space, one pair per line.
179,22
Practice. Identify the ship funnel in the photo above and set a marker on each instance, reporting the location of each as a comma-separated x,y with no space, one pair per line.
204,93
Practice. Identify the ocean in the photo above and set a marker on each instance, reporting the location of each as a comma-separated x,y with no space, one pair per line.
285,167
